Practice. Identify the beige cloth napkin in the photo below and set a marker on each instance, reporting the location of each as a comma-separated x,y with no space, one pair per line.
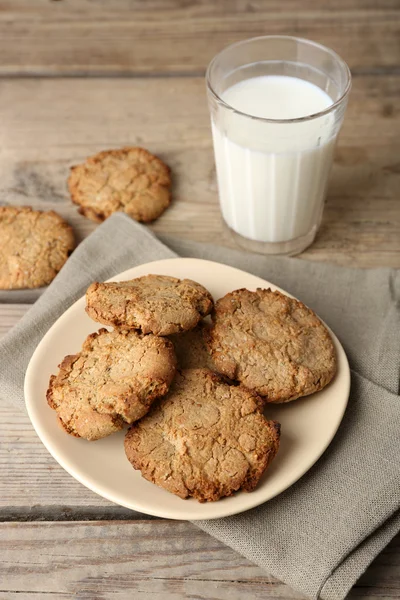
320,534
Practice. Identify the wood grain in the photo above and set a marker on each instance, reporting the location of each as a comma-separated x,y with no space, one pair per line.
132,37
109,560
10,314
73,118
32,483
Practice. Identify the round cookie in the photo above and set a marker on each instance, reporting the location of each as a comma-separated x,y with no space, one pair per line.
206,439
34,245
191,349
154,303
129,179
272,344
112,381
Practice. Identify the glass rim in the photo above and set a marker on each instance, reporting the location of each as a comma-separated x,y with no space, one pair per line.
316,115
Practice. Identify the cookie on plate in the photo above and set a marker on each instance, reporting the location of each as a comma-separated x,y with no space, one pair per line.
272,344
205,439
154,303
34,245
191,349
129,179
112,381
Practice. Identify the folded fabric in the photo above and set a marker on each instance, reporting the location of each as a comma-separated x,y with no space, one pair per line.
322,533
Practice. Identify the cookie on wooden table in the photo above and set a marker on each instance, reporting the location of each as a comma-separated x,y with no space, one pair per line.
205,439
129,179
272,344
34,245
154,303
112,381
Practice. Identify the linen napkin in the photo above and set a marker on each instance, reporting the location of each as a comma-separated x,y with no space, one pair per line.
322,533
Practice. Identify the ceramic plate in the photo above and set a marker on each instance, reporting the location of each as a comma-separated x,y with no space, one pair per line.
308,424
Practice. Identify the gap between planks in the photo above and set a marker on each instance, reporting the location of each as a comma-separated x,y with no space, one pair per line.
102,73
60,513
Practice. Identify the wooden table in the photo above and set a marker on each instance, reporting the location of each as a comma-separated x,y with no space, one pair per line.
78,76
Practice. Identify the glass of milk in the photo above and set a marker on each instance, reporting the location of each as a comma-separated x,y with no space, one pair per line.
277,104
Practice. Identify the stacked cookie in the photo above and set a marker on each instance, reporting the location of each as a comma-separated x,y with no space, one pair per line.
118,374
199,432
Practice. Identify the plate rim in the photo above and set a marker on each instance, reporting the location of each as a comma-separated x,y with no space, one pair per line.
220,512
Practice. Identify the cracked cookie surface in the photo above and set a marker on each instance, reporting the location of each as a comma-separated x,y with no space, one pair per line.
112,381
191,349
34,245
154,303
129,179
205,439
272,344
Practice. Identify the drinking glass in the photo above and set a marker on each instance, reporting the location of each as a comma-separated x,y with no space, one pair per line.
273,173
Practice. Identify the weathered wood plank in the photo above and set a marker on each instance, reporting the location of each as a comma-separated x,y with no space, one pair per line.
32,483
155,37
10,314
109,559
82,10
71,118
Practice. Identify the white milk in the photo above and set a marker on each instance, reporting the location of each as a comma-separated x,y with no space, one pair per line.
272,176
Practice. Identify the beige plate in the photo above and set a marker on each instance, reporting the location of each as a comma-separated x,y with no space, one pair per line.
308,425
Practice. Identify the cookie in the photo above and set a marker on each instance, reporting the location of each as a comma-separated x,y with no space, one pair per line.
154,303
191,349
129,179
112,381
34,245
206,439
272,344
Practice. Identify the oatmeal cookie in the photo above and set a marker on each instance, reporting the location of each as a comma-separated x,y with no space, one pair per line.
129,179
191,349
154,303
112,381
206,439
272,344
34,245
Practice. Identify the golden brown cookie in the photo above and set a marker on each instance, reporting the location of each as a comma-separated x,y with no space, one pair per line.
272,344
112,381
191,349
154,303
129,179
34,245
205,439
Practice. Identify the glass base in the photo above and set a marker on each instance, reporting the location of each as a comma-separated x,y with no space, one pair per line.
288,248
